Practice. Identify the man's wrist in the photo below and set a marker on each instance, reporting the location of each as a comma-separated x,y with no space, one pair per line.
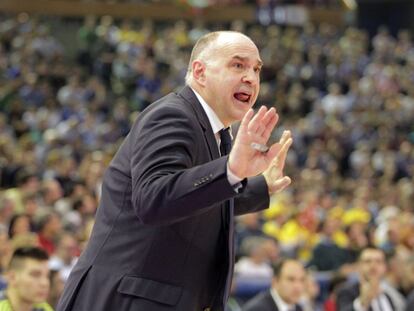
233,178
359,306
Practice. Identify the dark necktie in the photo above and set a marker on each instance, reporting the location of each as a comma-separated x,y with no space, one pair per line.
225,141
225,147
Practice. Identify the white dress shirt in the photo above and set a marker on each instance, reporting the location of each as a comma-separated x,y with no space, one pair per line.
381,303
280,303
217,126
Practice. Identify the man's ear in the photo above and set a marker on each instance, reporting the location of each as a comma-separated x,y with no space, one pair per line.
199,72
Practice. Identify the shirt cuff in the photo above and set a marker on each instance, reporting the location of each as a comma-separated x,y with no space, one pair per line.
358,306
233,179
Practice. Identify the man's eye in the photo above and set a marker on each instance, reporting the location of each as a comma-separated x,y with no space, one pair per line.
257,70
238,65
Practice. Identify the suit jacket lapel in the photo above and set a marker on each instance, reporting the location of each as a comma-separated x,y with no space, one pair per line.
190,97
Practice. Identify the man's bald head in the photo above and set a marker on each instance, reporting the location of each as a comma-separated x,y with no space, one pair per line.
206,46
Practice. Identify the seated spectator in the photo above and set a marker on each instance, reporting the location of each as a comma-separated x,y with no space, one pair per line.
309,300
371,292
5,254
253,272
408,282
49,229
56,288
66,255
28,281
248,226
327,255
19,232
288,287
335,284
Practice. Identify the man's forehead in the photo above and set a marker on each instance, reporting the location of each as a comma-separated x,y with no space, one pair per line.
372,255
30,263
293,268
234,40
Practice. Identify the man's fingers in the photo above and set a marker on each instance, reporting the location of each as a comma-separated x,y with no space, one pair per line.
255,123
285,135
246,119
273,152
281,157
270,125
282,149
281,184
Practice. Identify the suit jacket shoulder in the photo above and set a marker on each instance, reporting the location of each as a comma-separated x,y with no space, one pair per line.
261,302
346,296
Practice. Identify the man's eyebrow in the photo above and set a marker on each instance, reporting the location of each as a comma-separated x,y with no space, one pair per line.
241,58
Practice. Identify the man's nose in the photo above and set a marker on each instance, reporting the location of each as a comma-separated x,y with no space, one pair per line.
251,77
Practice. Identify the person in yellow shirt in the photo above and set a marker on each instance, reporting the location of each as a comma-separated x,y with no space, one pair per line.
28,281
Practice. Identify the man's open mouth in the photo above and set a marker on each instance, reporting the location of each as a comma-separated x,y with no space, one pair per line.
243,97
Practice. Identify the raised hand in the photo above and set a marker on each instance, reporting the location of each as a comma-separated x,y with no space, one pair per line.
245,161
275,179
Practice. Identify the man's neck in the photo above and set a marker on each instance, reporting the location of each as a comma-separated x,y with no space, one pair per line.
280,302
16,303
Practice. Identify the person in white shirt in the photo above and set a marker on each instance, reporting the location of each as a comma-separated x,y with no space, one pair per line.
371,292
288,286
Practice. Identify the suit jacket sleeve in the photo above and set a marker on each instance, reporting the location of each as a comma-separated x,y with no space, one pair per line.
172,177
254,198
345,300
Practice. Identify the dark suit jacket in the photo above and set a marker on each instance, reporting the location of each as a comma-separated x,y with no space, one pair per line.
263,302
346,296
410,302
160,241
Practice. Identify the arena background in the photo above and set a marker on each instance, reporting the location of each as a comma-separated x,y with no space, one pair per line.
74,75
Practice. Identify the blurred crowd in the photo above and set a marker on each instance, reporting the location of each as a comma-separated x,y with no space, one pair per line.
347,98
206,3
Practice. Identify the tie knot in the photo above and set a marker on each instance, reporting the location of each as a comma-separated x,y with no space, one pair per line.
225,141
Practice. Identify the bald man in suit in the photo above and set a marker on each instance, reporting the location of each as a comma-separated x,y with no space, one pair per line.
163,237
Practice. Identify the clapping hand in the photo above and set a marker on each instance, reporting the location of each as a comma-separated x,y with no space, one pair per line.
245,161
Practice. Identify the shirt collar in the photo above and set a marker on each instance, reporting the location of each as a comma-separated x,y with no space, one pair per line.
280,303
214,120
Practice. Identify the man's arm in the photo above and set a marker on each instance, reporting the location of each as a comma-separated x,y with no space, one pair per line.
167,184
254,198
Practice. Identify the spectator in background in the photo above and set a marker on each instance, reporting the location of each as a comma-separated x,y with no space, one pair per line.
51,193
20,233
370,292
327,255
50,227
56,288
5,255
409,282
253,272
66,255
249,225
28,281
30,206
335,283
19,225
288,287
309,300
27,182
6,211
